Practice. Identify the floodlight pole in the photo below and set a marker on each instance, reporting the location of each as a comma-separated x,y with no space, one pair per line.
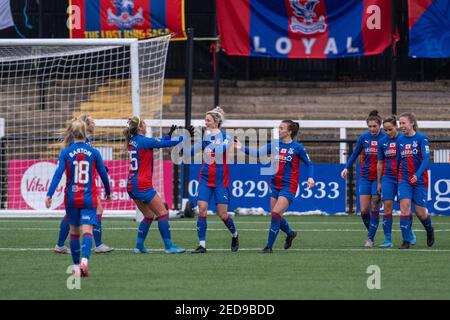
394,59
216,60
188,107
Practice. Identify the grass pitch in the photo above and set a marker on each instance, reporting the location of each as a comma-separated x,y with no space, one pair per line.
327,261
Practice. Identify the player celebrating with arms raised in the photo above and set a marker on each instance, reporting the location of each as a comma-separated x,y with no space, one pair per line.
214,178
284,183
140,186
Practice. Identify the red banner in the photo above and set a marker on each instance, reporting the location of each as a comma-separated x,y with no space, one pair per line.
304,28
140,19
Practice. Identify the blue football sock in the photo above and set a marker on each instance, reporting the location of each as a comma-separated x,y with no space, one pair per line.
86,247
202,225
387,227
75,248
143,228
374,222
427,224
284,226
405,227
230,225
366,219
64,228
164,230
274,229
98,231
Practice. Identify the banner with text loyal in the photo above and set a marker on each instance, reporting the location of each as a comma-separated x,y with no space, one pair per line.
429,28
304,28
140,19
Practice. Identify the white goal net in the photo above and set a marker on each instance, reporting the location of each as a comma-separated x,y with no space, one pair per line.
45,83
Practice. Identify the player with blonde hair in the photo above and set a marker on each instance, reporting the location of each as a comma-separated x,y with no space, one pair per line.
79,161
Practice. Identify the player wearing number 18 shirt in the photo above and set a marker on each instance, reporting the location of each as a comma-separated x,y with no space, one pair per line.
79,161
64,225
284,183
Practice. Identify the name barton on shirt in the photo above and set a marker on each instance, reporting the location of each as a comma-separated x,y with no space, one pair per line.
80,151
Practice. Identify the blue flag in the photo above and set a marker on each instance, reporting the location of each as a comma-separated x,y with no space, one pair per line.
429,28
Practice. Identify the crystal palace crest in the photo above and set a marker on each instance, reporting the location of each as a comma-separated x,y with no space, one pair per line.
125,17
305,19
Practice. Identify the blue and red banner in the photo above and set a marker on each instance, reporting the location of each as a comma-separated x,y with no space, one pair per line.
126,18
429,28
304,28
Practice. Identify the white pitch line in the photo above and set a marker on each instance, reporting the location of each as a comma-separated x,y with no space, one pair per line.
213,229
236,221
259,249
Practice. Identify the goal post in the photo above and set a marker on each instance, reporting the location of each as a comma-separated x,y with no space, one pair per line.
46,82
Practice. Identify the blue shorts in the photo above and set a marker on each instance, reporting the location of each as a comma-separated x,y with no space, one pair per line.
221,194
368,187
274,193
388,190
144,196
417,194
79,216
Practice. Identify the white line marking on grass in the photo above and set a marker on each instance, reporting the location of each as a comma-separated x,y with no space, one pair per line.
176,221
214,229
259,249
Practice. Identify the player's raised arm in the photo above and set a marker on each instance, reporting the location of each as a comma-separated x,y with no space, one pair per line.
263,151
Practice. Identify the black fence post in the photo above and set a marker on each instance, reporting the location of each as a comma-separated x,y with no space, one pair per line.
351,189
216,59
185,204
394,59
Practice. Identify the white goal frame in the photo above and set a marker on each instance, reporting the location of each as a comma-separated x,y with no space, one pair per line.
133,45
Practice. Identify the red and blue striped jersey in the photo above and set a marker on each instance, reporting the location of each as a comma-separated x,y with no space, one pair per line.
288,157
367,146
80,162
214,170
387,152
140,149
413,154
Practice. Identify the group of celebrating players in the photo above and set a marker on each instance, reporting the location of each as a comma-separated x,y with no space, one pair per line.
393,165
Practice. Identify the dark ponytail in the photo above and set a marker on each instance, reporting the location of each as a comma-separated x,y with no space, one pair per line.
392,120
374,116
